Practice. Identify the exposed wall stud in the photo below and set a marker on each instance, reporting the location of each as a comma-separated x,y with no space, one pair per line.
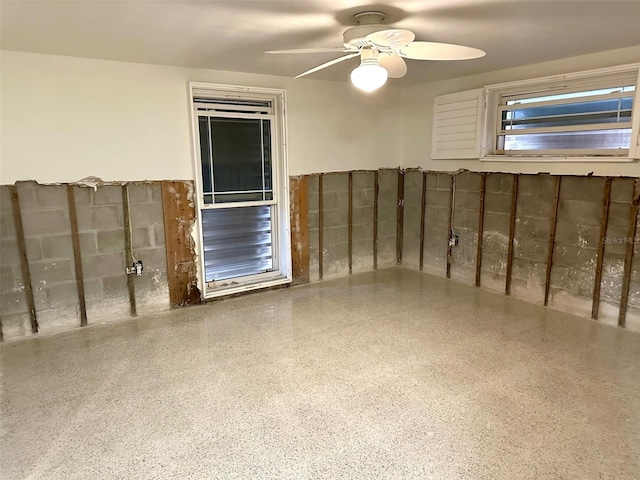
299,192
320,227
483,186
128,250
512,231
400,217
77,255
350,224
24,261
376,191
1,334
450,224
628,258
552,239
606,202
179,217
423,207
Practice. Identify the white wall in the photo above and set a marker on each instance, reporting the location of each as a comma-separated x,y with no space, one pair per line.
65,118
418,111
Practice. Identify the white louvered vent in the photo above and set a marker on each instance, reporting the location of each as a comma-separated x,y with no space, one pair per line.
457,125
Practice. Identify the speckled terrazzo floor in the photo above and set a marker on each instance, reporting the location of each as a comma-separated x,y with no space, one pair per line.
391,374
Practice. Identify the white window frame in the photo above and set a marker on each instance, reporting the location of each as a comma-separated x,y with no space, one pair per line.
281,234
552,84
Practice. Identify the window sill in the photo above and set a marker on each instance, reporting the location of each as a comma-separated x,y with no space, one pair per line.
555,158
276,279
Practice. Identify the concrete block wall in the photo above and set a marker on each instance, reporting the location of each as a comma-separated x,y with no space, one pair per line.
100,220
412,211
363,210
436,222
466,208
387,217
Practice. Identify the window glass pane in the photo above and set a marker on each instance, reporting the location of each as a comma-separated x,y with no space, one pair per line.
266,148
205,154
237,154
237,242
268,196
239,197
591,139
208,198
613,110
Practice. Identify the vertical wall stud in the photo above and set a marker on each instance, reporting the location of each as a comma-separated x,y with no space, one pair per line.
179,217
320,227
376,191
77,255
552,239
400,217
1,334
299,193
450,224
423,207
350,223
483,187
628,258
24,261
512,231
128,249
606,202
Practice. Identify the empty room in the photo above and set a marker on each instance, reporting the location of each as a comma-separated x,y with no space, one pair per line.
307,239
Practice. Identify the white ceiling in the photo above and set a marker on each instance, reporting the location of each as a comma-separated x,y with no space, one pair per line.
233,34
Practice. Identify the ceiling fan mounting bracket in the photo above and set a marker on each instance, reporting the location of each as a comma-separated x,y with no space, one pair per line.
369,18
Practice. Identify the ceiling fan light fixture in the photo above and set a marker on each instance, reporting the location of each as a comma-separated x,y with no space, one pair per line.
369,75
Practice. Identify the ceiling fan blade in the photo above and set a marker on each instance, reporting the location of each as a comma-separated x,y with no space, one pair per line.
393,37
393,64
439,51
312,50
329,63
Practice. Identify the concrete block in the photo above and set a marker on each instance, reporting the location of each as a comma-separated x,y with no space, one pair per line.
108,195
57,246
141,237
156,192
571,256
363,198
467,200
34,250
363,215
146,214
9,253
313,221
499,183
108,264
363,181
153,258
576,281
576,234
619,215
497,203
336,182
106,218
82,196
65,293
540,186
363,232
442,217
621,190
51,271
51,196
616,240
444,181
7,225
313,200
536,228
14,302
438,198
312,184
587,189
5,199
432,181
496,222
10,278
531,250
334,235
115,286
335,217
140,193
17,325
413,179
330,200
88,243
535,206
578,211
92,287
472,220
45,222
27,195
110,241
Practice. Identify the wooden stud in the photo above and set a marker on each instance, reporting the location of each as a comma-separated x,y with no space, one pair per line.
77,254
350,224
423,208
450,225
606,202
552,239
24,261
128,250
512,231
1,334
376,191
483,188
400,217
628,258
179,217
320,227
299,197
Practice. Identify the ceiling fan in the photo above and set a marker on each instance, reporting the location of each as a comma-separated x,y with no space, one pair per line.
382,51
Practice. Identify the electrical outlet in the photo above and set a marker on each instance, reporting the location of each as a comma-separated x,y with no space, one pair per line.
454,240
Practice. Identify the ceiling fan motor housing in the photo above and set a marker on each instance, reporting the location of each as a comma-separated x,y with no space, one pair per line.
355,37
